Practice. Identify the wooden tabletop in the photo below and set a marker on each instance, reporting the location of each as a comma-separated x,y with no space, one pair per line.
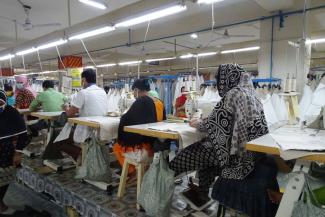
46,115
84,122
145,130
266,144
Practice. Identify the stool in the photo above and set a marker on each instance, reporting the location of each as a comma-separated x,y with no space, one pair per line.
140,172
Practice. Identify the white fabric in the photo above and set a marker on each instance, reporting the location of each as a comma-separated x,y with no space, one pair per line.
269,112
108,126
64,134
279,107
317,102
188,135
91,101
305,102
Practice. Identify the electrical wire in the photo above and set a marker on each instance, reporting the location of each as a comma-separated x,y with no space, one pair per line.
142,49
83,44
39,60
57,50
22,56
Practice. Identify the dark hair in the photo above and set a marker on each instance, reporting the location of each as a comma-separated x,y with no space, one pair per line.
48,84
89,75
141,84
8,87
182,88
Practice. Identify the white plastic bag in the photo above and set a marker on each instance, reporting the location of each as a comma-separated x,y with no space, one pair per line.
96,163
157,187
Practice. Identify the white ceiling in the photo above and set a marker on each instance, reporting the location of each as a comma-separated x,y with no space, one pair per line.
48,11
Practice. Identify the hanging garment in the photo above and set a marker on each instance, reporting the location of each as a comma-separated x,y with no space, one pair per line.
279,107
305,102
269,112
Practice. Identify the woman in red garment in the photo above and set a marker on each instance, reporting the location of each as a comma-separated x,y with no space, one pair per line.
180,104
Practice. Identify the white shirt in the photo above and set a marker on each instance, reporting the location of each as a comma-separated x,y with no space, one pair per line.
91,101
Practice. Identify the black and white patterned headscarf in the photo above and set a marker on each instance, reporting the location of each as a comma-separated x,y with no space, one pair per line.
228,77
237,119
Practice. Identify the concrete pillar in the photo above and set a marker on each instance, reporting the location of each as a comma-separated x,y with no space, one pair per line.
287,59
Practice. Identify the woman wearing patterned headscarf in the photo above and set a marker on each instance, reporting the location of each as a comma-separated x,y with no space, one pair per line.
237,119
13,136
24,93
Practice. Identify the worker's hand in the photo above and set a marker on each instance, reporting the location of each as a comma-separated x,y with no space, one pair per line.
195,122
17,159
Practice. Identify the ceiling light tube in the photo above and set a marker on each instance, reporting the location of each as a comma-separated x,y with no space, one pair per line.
129,63
6,57
24,52
314,41
206,54
194,36
96,4
208,1
52,44
106,65
152,16
160,59
89,67
186,56
93,32
240,50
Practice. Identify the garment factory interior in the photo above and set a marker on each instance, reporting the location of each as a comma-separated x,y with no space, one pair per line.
162,108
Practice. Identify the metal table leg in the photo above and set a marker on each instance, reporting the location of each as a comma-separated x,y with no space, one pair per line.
293,189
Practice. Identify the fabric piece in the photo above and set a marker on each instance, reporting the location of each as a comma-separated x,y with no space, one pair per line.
188,135
269,111
305,102
317,102
120,151
49,100
11,100
198,157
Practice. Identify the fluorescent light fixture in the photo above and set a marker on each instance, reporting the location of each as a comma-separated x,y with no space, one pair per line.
314,41
197,55
52,44
194,36
152,16
93,3
206,54
187,56
106,65
24,52
208,1
93,32
160,59
6,57
129,63
89,67
240,50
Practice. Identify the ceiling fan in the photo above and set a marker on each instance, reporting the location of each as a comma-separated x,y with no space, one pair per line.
226,35
28,25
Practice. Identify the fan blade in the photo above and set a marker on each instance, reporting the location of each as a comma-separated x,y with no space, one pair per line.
47,25
217,33
242,36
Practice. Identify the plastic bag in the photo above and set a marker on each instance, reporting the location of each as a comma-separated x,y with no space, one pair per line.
157,187
308,205
96,163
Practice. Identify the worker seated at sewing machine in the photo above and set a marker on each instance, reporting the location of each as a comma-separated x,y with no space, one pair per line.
49,100
145,109
90,101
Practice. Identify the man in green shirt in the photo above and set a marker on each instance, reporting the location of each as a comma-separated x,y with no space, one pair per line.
49,100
